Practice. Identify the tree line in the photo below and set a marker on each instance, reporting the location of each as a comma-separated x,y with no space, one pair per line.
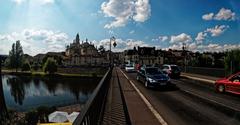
17,61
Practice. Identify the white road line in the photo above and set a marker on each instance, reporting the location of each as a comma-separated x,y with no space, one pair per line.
149,105
199,79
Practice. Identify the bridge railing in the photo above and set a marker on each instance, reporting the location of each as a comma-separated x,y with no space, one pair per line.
92,112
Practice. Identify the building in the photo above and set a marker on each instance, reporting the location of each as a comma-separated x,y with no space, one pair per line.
131,56
84,53
144,56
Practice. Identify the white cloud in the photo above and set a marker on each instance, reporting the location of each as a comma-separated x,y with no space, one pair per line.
212,47
163,38
174,47
124,10
217,30
35,41
223,14
19,1
132,32
121,44
181,38
160,39
208,16
201,37
38,1
192,46
142,10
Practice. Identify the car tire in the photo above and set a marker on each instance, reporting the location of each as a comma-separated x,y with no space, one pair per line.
221,88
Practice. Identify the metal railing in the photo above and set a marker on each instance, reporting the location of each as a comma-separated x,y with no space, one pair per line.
92,112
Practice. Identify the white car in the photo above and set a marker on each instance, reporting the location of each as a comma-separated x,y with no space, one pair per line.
130,68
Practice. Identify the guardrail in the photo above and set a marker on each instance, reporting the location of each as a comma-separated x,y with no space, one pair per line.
92,112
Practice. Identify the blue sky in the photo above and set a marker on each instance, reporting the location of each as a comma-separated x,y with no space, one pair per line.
49,25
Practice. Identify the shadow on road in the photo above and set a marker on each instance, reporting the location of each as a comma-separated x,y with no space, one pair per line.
165,89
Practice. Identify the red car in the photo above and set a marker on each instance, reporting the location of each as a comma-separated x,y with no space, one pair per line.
229,84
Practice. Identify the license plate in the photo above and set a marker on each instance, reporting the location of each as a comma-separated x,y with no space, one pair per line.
163,83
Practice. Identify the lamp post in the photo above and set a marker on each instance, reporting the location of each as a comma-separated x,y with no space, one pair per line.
110,46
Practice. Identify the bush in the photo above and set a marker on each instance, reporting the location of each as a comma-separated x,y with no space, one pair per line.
26,67
50,66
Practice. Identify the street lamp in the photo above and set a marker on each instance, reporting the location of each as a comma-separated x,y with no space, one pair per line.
110,46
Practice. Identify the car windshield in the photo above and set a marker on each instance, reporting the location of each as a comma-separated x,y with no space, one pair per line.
153,71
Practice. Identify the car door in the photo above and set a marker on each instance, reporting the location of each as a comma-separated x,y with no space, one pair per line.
234,84
142,75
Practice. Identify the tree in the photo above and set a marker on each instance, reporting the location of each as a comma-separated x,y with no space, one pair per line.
232,61
26,66
101,49
16,56
50,66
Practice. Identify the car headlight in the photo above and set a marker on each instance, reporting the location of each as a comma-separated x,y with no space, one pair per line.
151,80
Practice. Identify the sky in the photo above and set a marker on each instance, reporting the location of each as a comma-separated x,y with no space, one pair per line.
50,25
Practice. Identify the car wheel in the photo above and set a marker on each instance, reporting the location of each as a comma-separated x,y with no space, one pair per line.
221,88
146,84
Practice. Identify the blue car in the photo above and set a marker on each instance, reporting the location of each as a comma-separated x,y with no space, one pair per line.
153,77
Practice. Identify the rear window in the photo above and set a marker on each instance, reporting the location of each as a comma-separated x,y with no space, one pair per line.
129,65
153,71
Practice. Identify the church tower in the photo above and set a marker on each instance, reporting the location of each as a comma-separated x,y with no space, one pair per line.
77,39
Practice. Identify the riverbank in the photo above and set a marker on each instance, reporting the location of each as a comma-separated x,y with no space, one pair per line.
95,73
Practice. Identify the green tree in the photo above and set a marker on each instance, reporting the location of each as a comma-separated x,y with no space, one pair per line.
232,61
16,56
50,66
26,66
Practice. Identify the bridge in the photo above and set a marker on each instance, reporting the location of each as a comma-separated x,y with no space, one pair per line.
120,99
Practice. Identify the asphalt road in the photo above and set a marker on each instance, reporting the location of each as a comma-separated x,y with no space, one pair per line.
192,103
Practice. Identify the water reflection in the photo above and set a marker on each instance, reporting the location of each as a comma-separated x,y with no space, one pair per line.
17,89
3,107
25,92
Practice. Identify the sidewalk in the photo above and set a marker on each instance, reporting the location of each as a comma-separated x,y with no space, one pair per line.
128,109
199,77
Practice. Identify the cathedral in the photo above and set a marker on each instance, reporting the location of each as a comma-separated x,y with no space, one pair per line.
84,53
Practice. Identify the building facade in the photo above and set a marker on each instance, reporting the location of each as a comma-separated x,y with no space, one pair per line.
84,53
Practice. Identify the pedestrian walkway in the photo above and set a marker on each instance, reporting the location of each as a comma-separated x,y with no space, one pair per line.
209,79
124,105
114,110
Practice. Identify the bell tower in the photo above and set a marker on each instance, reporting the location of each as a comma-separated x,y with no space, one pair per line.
77,39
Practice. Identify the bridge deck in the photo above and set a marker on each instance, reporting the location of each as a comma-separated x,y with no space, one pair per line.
124,105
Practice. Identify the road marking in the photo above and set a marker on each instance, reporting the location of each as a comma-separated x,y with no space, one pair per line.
199,79
149,105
